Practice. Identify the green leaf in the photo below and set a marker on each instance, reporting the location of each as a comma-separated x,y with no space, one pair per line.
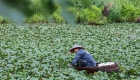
22,6
14,15
68,16
122,75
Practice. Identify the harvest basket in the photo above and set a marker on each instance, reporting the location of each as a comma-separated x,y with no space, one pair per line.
113,67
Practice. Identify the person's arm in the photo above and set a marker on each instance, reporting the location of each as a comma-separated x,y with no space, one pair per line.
79,54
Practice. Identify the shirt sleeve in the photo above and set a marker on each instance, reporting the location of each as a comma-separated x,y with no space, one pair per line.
79,54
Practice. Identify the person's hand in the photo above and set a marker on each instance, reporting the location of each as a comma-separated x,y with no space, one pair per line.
70,66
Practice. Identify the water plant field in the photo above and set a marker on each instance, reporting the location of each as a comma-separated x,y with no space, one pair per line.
40,51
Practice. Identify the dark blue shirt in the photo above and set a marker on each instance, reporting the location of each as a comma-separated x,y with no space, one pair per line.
85,56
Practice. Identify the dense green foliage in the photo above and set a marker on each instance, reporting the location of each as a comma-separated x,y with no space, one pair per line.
94,16
4,20
84,11
129,12
40,51
118,11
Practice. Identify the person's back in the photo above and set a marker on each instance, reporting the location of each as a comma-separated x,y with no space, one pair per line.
87,58
82,57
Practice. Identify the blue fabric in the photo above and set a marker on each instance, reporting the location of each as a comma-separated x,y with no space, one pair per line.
85,56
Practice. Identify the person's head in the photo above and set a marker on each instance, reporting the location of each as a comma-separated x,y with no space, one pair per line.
75,48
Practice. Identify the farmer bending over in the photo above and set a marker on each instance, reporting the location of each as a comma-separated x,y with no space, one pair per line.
82,58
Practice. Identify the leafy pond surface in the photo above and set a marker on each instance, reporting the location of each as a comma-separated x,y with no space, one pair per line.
41,51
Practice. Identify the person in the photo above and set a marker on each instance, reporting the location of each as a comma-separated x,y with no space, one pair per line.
82,58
